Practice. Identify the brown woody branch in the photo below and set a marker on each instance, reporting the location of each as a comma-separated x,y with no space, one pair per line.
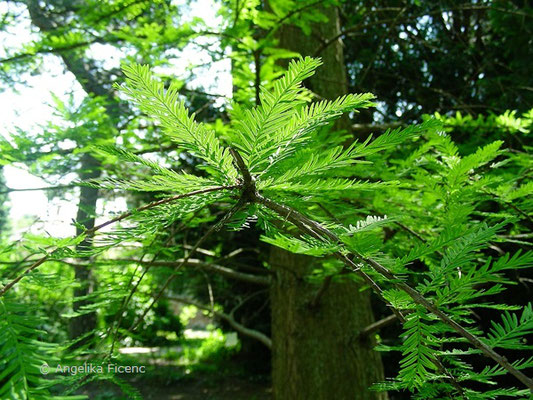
367,129
192,262
318,231
361,27
378,325
234,324
44,188
59,50
221,270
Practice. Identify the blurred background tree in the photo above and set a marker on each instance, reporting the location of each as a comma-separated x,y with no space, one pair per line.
4,209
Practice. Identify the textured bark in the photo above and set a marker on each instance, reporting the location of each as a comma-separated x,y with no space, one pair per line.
316,353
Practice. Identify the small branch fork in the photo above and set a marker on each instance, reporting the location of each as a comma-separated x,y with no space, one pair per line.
376,326
317,231
262,280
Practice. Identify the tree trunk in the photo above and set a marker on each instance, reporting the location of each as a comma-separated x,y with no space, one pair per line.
89,169
316,352
4,209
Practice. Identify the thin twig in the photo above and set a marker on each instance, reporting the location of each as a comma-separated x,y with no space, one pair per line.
510,204
442,369
247,178
362,27
378,325
320,292
158,203
10,190
121,217
59,49
319,232
27,272
231,273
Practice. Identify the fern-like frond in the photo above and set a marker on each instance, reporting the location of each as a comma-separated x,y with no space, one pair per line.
513,331
422,249
128,156
310,163
164,180
489,372
499,393
369,223
304,245
261,123
150,222
460,168
419,351
459,254
289,137
165,106
22,352
510,194
324,185
391,138
519,260
179,183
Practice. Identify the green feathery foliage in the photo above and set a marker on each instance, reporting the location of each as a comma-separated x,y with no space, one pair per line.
281,169
278,142
164,105
22,352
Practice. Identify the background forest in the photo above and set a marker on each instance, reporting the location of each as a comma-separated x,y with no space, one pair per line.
351,224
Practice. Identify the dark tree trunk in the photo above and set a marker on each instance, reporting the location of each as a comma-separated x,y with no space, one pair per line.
89,169
316,352
4,209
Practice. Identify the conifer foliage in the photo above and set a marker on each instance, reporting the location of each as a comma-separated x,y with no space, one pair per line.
278,167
